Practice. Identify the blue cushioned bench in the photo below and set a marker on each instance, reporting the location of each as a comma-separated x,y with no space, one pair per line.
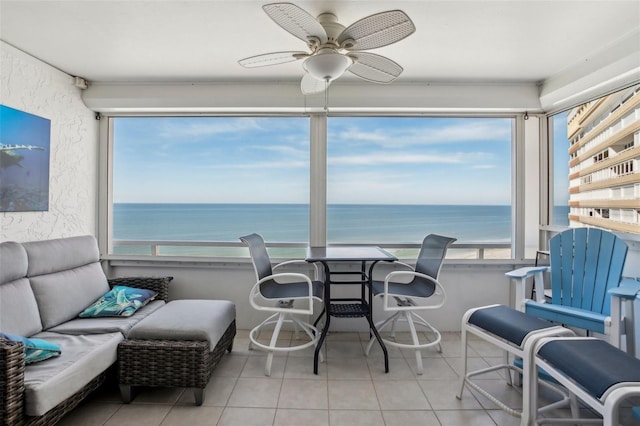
515,333
596,372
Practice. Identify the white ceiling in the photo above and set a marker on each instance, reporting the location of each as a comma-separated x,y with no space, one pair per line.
522,41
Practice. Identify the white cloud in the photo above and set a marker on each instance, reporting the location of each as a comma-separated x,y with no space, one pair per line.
468,131
283,149
263,165
385,158
201,128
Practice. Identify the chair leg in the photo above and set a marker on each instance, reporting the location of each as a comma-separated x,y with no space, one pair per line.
379,326
416,342
394,321
309,332
463,377
254,334
412,319
274,340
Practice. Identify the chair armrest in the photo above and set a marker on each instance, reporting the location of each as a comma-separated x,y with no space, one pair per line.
397,262
527,272
519,277
629,288
386,294
296,261
158,284
255,294
626,292
11,382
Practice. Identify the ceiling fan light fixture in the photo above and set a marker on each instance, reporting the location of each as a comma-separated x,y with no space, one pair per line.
327,65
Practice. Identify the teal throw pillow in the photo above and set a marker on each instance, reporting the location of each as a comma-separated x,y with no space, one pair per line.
121,301
34,349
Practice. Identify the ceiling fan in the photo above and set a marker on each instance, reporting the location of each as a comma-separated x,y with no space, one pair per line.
334,49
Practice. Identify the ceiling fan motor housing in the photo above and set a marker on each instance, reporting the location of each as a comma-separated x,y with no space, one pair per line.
330,23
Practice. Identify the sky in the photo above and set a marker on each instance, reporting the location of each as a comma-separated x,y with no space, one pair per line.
371,160
560,160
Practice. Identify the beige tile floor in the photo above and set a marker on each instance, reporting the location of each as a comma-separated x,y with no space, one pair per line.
349,390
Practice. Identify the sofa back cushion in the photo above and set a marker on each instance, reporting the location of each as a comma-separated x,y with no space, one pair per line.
18,308
65,276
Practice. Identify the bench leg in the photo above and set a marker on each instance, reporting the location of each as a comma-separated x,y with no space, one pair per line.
198,394
613,401
126,392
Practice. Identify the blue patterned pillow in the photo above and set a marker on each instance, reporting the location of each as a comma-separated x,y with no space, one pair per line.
34,349
121,301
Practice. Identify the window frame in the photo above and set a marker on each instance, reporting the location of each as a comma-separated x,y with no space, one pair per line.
318,176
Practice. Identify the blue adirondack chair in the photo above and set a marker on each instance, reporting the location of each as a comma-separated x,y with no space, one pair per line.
586,264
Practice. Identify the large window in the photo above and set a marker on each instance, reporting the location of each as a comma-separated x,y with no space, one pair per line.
397,179
189,186
209,179
596,150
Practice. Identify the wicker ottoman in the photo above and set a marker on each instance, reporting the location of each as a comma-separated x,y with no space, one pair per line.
178,345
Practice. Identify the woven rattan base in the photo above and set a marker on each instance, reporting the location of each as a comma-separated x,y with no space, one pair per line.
170,363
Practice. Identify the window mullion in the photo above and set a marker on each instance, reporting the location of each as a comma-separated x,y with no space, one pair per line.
318,181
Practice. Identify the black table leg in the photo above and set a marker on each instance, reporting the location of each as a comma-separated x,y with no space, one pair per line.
327,312
372,326
379,339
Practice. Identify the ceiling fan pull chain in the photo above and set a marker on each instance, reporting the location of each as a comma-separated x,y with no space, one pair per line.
326,95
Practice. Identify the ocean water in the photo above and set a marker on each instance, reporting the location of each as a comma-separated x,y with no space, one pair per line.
289,222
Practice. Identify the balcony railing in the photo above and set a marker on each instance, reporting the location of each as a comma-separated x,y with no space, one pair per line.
231,249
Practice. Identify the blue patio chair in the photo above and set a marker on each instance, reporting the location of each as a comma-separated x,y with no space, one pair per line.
585,272
423,291
281,290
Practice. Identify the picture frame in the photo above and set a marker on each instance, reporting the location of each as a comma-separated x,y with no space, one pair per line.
25,141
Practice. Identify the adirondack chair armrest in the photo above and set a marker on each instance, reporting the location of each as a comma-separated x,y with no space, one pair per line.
629,288
625,293
526,272
519,278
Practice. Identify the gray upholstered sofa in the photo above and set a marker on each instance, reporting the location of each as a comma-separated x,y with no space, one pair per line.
44,285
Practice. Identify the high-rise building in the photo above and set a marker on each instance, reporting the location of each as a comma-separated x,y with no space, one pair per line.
604,162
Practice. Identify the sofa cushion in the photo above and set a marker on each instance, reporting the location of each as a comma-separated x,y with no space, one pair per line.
107,324
18,308
13,262
35,350
62,295
120,301
52,381
49,256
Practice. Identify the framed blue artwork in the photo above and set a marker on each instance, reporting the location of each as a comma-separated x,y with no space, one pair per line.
24,161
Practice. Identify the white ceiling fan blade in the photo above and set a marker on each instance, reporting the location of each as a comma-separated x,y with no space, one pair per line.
274,58
376,68
377,30
311,85
297,21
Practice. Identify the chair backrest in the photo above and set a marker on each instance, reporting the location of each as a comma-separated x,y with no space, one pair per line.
259,255
434,249
585,264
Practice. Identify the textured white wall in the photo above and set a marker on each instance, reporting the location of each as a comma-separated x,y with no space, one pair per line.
32,86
